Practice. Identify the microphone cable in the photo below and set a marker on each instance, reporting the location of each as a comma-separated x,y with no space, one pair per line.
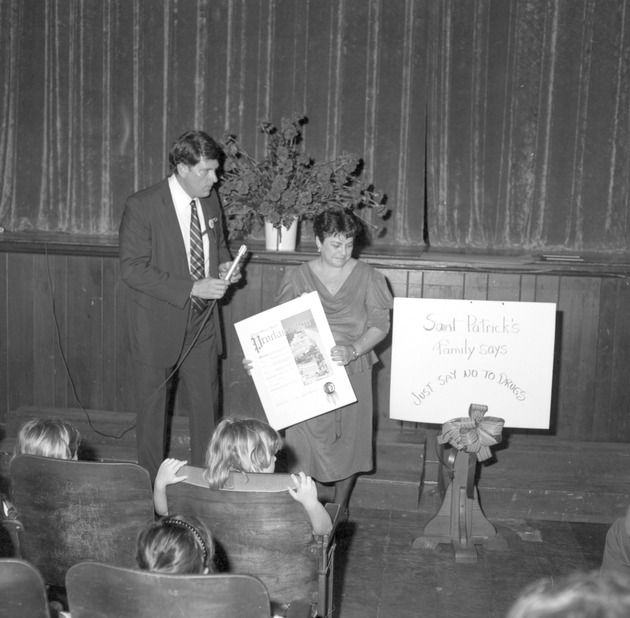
209,310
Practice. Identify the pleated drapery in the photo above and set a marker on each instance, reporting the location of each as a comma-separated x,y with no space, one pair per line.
489,124
529,118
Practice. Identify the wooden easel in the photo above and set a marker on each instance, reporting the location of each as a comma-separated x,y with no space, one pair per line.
460,520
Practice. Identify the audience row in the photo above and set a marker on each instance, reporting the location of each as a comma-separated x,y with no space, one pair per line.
182,544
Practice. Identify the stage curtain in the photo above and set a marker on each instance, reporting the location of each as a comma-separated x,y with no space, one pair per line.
490,124
94,92
528,124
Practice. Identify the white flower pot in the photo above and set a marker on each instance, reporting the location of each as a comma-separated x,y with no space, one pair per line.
282,238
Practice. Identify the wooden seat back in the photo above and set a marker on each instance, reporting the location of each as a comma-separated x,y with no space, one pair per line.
22,590
97,590
72,511
259,529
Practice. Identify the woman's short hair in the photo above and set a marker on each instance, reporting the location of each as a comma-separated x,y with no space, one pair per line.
240,445
48,437
337,222
176,544
579,595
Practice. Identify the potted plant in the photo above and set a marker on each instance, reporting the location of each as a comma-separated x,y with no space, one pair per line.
287,185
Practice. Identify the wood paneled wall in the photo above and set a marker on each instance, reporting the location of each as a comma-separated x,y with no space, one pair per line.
79,326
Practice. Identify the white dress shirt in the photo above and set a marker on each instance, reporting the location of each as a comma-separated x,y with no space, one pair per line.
182,200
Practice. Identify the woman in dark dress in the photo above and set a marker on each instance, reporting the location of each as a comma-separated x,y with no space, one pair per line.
334,447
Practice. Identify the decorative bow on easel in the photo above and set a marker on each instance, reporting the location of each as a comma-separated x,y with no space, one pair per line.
475,434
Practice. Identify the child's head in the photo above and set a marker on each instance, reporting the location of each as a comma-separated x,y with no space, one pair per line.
47,437
240,445
176,544
579,595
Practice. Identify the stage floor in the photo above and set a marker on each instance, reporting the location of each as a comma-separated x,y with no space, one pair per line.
380,575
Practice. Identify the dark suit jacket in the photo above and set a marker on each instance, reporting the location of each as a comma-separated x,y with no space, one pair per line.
154,265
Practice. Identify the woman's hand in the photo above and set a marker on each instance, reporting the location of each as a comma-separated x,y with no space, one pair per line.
343,354
248,365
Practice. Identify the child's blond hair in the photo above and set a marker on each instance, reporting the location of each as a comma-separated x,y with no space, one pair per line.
240,445
48,437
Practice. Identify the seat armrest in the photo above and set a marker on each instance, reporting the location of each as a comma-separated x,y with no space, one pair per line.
333,510
13,528
325,545
325,541
299,609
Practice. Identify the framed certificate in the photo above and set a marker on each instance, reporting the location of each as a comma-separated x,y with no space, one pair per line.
292,369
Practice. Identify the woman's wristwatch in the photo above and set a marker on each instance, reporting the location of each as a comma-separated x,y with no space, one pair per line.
355,354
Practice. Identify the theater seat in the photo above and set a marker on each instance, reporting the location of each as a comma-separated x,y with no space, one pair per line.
22,590
72,511
259,529
97,590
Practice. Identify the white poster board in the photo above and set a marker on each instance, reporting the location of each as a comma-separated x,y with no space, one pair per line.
447,354
289,347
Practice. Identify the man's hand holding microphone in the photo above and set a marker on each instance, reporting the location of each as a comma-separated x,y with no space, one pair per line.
229,272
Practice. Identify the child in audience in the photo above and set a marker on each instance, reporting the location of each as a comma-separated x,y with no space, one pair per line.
617,549
578,595
245,446
176,544
179,545
57,439
48,437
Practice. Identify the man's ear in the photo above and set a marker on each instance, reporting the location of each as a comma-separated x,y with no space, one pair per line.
182,169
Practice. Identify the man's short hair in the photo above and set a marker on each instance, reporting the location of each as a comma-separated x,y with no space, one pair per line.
193,146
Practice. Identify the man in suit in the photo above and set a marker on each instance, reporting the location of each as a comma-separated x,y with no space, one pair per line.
174,259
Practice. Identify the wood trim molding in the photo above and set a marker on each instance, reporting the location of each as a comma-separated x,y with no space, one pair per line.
387,257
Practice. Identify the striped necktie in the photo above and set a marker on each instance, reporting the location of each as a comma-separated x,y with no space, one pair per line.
197,262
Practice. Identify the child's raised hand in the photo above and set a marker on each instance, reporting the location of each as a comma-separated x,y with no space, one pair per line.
305,490
167,473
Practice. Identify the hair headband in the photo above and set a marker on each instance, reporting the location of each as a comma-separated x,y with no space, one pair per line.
191,528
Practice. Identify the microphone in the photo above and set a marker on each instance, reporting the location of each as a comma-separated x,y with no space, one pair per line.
241,252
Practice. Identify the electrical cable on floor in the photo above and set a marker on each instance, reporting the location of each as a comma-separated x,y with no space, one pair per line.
181,359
